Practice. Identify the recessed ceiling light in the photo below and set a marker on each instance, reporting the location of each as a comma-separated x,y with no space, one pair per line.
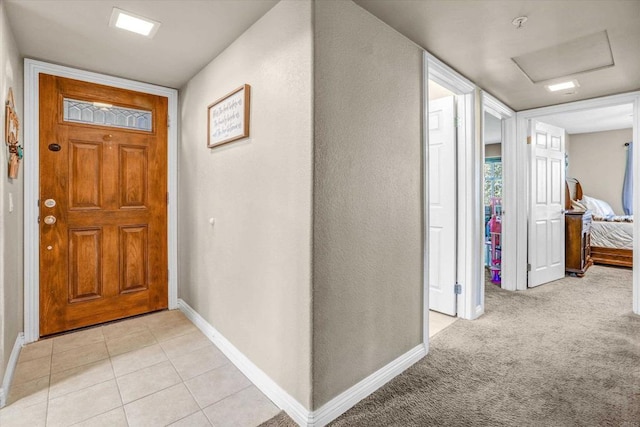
134,23
571,84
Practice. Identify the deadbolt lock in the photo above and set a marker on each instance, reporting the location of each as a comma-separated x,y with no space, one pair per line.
49,203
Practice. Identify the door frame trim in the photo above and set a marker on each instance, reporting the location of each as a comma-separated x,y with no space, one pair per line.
521,176
32,70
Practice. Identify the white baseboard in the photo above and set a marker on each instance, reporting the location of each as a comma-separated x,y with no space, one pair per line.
301,415
347,399
11,369
262,381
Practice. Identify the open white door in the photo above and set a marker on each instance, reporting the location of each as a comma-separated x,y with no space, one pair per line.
442,205
546,209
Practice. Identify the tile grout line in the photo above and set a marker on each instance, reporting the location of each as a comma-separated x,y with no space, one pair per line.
46,412
205,372
182,381
83,364
115,378
226,397
151,394
156,364
187,416
101,413
79,366
200,409
138,348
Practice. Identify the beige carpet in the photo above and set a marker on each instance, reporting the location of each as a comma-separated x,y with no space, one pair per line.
564,354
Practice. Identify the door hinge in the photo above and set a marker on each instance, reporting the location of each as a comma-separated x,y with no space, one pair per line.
167,198
456,122
528,267
528,140
168,121
457,289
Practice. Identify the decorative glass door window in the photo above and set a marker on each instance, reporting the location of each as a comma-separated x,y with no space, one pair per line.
96,113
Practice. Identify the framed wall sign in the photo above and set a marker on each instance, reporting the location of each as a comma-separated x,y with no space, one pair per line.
229,117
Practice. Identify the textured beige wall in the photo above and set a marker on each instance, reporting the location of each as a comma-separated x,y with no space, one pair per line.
249,275
367,298
493,150
598,160
11,234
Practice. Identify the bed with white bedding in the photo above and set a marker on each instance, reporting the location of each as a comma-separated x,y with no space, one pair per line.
611,235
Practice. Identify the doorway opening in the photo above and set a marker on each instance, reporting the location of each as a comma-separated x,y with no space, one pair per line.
498,194
442,234
522,156
598,189
453,184
492,198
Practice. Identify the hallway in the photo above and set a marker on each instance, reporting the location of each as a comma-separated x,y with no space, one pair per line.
153,370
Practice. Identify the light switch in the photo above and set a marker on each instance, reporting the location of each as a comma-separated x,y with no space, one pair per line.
10,202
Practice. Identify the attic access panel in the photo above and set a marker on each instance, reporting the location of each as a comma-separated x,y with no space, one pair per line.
588,53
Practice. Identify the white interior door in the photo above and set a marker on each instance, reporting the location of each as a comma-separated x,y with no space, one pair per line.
442,205
546,210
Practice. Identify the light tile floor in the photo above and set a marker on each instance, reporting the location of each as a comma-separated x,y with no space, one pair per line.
438,322
154,370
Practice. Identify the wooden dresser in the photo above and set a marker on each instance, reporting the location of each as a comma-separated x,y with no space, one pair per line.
577,242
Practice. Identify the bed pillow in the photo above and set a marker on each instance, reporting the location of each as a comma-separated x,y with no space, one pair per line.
597,206
577,206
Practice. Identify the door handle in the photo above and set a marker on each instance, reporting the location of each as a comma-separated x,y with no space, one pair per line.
50,220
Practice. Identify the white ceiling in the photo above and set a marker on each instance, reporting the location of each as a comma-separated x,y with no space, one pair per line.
77,34
475,37
492,129
587,121
595,120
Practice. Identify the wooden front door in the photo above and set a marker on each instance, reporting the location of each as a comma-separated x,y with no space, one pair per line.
103,204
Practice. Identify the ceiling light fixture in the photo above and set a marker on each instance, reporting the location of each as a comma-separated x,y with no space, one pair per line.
134,23
571,84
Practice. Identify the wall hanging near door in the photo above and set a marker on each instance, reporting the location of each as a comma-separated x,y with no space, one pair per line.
228,117
11,128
